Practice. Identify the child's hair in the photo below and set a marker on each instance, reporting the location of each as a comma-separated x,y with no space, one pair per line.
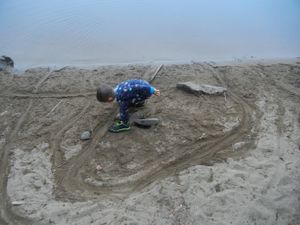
104,92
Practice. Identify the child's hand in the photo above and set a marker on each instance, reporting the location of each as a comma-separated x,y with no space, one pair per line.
157,92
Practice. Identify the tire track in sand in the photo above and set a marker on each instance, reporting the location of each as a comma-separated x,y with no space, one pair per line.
209,148
66,172
8,216
46,95
7,213
73,183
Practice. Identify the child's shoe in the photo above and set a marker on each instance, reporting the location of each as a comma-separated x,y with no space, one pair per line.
119,127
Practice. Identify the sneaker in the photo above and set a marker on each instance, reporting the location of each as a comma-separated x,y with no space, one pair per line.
119,127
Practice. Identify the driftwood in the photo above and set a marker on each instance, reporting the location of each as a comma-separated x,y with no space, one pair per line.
151,73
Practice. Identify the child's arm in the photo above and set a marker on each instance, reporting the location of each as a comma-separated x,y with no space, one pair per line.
144,88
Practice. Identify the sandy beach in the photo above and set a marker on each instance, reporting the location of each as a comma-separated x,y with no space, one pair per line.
212,160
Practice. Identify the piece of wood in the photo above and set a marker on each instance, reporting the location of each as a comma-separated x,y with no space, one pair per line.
54,107
151,73
155,73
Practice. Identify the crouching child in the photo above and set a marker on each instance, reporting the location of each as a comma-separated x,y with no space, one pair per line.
130,93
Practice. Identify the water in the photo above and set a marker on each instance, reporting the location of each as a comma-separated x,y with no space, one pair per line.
82,32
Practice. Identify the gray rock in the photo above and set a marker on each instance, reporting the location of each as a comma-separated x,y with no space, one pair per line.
85,135
199,89
147,122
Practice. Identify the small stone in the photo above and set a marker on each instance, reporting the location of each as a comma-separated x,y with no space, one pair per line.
199,89
85,135
98,168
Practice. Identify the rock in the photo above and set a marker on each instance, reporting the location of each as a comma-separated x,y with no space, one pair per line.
85,135
6,63
199,89
99,167
147,122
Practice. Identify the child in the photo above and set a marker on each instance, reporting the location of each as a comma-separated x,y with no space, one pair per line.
128,93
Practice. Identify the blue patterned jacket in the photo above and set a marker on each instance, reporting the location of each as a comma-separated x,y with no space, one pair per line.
131,92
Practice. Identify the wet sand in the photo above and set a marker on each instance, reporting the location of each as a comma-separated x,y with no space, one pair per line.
231,159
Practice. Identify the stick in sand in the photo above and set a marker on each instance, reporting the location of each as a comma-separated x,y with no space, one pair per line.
151,73
54,107
155,73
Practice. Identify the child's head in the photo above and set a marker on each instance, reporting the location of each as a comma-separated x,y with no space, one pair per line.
105,93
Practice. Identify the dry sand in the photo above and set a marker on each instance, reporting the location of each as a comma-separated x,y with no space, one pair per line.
232,159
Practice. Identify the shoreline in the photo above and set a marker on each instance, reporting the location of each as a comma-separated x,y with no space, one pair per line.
233,61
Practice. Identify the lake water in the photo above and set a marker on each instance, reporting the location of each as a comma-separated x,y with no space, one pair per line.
90,32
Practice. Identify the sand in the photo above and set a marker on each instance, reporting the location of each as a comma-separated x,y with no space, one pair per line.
229,159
